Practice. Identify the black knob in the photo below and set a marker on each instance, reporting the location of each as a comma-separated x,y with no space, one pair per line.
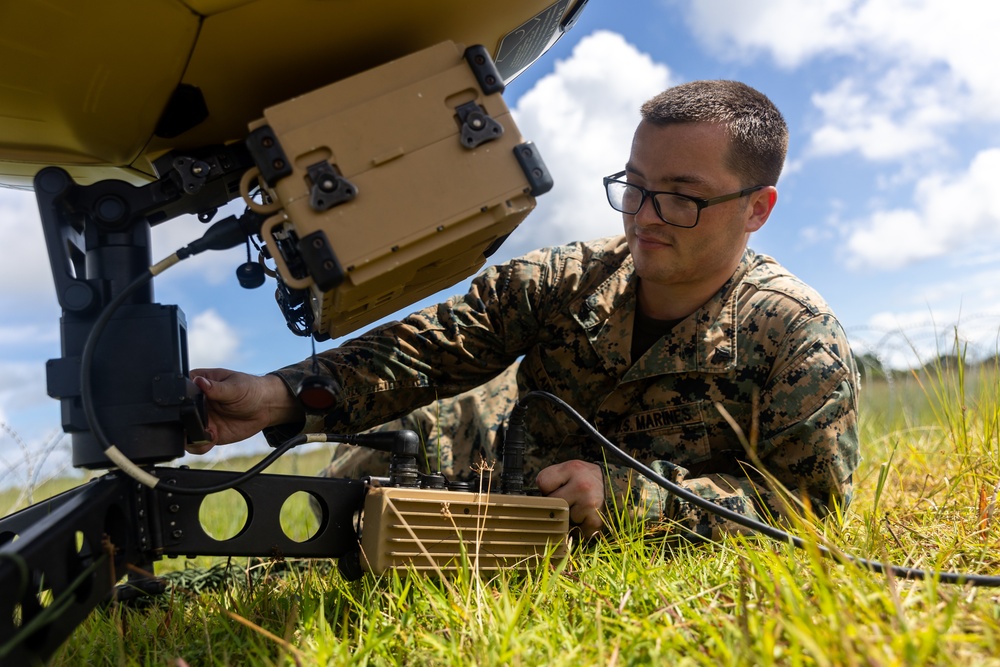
250,275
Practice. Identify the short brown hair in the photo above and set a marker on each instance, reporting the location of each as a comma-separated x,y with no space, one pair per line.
757,130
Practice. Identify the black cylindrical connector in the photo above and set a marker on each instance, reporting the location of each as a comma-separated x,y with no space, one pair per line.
512,477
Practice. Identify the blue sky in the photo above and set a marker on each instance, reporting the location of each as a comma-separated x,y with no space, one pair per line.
888,204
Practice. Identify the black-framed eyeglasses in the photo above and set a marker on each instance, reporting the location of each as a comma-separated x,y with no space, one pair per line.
673,208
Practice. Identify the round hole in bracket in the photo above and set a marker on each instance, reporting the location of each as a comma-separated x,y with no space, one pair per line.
298,517
223,515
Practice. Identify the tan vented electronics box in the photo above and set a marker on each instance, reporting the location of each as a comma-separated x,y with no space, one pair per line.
434,530
391,185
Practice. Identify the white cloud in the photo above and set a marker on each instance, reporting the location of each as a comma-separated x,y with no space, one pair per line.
793,32
25,276
917,66
950,213
27,333
22,385
790,31
582,117
881,127
212,341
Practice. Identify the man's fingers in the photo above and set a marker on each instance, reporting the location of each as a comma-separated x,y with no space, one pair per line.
582,515
552,478
585,518
217,388
591,526
224,387
574,473
581,485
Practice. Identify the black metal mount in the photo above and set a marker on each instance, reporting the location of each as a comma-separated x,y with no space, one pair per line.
61,558
74,548
98,240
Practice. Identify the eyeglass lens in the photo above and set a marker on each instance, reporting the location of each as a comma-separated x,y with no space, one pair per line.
671,208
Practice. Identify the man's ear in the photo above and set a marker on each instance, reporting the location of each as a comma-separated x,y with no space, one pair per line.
761,204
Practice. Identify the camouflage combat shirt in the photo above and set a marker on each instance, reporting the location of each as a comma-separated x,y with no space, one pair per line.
766,351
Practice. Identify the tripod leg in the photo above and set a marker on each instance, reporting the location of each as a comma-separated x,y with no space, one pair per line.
67,557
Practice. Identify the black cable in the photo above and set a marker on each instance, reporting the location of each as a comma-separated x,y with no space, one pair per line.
87,359
745,521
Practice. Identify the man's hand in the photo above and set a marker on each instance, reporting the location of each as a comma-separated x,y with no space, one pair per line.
240,405
581,484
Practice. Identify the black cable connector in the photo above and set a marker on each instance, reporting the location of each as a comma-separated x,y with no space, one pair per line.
512,476
403,442
223,235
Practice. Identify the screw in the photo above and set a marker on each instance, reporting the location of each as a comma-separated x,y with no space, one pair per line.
278,163
267,142
177,534
174,508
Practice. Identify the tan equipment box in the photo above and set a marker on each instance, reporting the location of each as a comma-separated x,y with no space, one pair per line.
435,530
391,185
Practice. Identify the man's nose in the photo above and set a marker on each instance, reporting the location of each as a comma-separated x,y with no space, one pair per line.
647,215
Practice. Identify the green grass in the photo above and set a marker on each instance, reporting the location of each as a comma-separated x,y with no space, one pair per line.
924,497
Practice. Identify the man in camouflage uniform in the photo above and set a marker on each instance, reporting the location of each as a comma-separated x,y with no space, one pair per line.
661,338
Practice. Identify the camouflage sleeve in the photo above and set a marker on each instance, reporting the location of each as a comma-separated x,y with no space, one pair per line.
802,460
768,498
434,353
